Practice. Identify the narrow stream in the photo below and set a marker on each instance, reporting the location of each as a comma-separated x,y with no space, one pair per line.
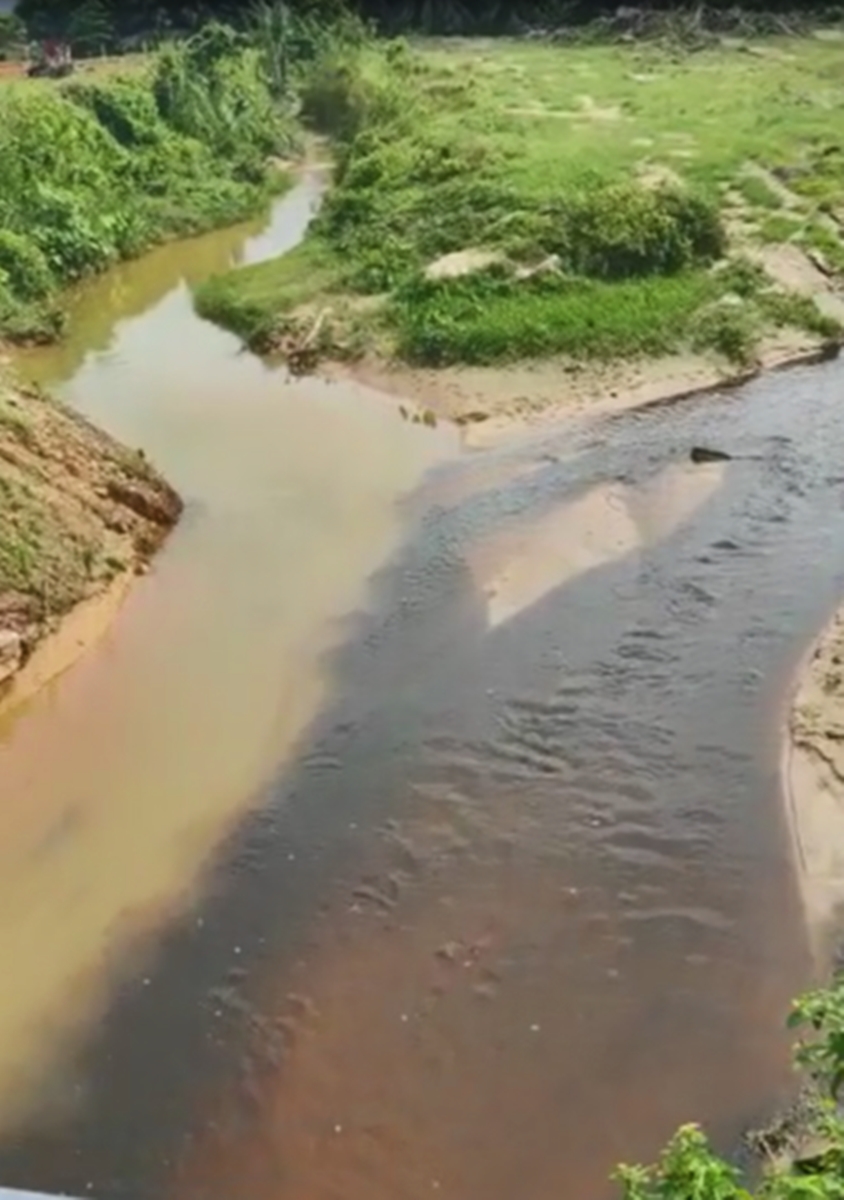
417,828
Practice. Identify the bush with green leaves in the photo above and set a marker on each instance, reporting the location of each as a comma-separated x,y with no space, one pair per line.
96,171
26,272
690,1169
622,230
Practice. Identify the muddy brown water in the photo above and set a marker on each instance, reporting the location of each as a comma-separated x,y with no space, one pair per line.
417,828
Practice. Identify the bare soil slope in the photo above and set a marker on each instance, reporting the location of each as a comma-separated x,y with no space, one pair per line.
77,511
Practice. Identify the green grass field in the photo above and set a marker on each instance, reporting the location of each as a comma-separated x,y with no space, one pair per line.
531,149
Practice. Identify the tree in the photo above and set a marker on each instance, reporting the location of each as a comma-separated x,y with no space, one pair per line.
12,36
90,29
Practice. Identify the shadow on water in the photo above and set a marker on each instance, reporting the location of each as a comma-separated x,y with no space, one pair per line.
609,758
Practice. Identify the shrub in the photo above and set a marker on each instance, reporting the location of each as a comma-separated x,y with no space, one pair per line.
210,88
344,93
126,108
74,234
623,230
25,270
687,1168
728,329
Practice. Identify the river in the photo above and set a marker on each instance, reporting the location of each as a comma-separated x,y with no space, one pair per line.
417,827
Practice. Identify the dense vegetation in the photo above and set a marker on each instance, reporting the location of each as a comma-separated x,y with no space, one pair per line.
98,171
593,220
427,16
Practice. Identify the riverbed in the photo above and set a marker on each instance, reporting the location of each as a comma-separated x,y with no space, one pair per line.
417,827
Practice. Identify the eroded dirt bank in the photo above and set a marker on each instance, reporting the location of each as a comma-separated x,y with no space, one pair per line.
79,514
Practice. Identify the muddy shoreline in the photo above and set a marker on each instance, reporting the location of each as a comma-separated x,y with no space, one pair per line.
494,403
81,515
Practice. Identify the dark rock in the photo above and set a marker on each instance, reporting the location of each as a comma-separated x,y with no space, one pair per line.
702,454
472,418
810,1155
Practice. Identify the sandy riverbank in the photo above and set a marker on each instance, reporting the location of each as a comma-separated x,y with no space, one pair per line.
80,515
814,781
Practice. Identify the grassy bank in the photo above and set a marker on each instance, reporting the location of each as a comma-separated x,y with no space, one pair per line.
100,169
502,199
76,511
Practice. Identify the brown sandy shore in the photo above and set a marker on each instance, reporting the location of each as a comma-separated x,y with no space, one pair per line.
814,783
80,515
492,403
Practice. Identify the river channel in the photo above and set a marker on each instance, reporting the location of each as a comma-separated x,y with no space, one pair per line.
416,829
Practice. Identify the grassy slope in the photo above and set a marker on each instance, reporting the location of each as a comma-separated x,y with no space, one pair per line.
527,124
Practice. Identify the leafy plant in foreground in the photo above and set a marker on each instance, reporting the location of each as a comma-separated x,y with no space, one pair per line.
822,1055
689,1169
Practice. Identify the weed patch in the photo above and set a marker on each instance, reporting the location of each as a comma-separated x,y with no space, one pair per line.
819,237
492,318
800,312
778,228
758,193
36,558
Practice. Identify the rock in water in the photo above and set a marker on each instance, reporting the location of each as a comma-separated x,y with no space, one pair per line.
702,454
